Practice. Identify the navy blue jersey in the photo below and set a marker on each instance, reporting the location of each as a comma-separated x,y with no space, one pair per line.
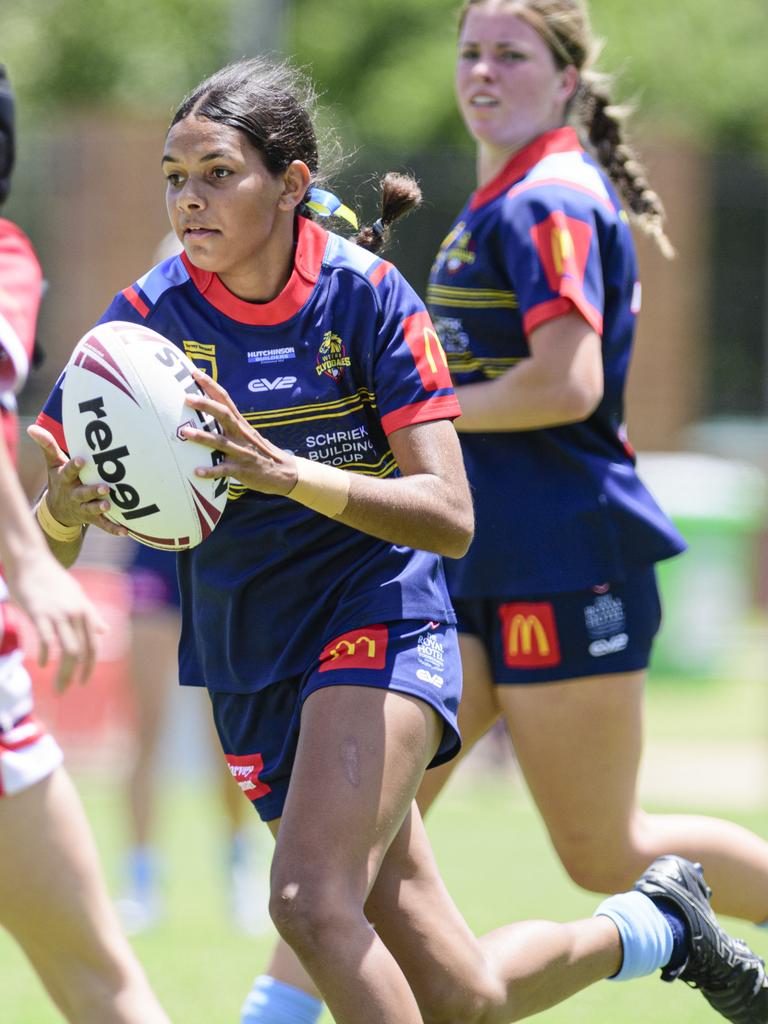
559,508
344,356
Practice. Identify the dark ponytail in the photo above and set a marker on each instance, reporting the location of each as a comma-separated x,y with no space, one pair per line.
400,193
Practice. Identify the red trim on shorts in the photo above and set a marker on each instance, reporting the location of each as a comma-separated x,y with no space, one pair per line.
32,731
246,769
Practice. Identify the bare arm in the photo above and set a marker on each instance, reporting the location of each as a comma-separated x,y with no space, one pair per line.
429,507
561,382
53,600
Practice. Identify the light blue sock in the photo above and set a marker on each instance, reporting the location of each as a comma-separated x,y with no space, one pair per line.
142,869
646,936
273,1002
237,854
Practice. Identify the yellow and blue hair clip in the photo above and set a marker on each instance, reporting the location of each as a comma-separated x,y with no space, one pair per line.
326,204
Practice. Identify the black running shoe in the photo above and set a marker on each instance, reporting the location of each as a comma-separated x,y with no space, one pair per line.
730,976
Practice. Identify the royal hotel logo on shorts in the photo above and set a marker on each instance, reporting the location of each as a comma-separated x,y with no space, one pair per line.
529,635
431,653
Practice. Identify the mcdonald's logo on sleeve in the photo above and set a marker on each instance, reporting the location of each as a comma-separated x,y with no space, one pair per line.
563,245
359,648
427,352
529,635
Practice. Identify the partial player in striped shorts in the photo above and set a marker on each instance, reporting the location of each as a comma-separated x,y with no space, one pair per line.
53,898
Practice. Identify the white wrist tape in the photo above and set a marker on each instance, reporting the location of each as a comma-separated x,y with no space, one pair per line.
50,525
322,488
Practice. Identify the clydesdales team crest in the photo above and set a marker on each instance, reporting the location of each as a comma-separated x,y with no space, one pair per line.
457,250
332,358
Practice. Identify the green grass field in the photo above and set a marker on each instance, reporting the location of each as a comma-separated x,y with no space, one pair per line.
492,850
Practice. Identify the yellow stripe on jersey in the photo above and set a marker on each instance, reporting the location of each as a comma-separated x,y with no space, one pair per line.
476,298
465,362
236,490
386,466
314,411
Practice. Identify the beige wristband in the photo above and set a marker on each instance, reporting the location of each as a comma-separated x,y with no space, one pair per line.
322,488
52,526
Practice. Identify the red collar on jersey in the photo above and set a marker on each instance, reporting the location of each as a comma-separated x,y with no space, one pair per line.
559,140
310,248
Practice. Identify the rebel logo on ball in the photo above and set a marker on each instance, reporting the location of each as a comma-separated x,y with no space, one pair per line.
110,462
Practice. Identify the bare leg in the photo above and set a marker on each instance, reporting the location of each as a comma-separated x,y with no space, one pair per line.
506,975
579,745
603,838
286,967
54,902
361,754
477,713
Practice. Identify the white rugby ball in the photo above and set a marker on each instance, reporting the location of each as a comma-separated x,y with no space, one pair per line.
123,405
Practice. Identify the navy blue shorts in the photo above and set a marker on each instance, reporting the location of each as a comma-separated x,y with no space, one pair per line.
605,629
259,731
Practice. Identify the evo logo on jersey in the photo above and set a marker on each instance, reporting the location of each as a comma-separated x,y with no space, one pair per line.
359,648
274,384
245,771
529,635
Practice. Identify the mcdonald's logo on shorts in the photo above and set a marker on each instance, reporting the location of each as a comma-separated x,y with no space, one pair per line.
359,648
529,635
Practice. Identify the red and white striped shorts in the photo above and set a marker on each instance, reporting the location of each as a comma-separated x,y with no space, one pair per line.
28,753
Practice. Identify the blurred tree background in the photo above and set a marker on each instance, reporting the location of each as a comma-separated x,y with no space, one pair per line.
387,64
